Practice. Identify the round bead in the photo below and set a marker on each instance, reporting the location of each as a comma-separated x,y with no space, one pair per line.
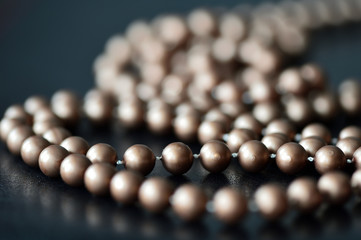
50,159
17,112
45,114
215,156
348,146
31,149
189,202
229,205
299,110
210,130
329,158
130,113
177,158
274,141
72,169
16,138
41,127
318,130
356,181
34,103
7,125
335,187
65,105
291,158
102,152
312,144
271,200
159,119
154,194
247,121
237,137
56,135
253,156
350,131
124,186
283,126
97,178
98,106
304,195
186,126
139,158
75,144
357,157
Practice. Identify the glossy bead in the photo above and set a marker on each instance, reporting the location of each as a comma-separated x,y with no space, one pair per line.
348,146
17,112
56,135
357,158
215,156
159,119
304,195
7,125
102,152
266,112
325,104
41,127
210,130
335,187
97,178
124,186
16,138
329,158
253,156
186,126
350,97
313,75
229,205
44,114
274,141
356,181
291,158
98,106
72,169
247,121
177,158
283,126
318,130
31,149
312,144
130,113
237,137
50,160
139,158
65,105
189,202
34,103
350,131
299,110
290,81
154,194
75,144
271,200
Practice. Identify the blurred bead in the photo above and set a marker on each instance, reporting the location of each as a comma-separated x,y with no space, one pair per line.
215,115
159,119
177,158
350,131
56,135
173,89
274,141
139,158
186,126
290,81
313,75
348,146
357,157
299,110
247,121
17,137
66,106
329,158
271,200
17,112
98,106
291,158
262,91
356,181
350,96
40,127
232,26
130,113
253,156
237,137
34,103
7,125
154,194
172,30
31,149
335,187
124,186
210,131
45,114
189,202
266,112
312,144
97,178
215,156
232,109
72,169
201,22
102,152
50,159
227,91
224,50
118,49
281,125
75,144
229,205
316,130
325,105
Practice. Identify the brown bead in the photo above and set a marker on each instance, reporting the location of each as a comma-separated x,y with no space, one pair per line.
350,96
16,138
350,131
201,22
154,194
253,156
312,144
329,158
304,195
290,81
348,146
291,158
210,130
229,205
139,158
335,187
102,152
215,115
177,158
262,91
318,130
313,75
274,141
232,109
325,104
97,178
237,137
75,144
17,112
65,105
31,149
131,113
98,106
215,156
50,160
227,91
124,186
189,202
224,50
34,103
357,157
56,135
159,119
283,126
247,121
40,127
45,114
299,110
186,126
356,181
7,125
271,200
72,169
232,26
266,112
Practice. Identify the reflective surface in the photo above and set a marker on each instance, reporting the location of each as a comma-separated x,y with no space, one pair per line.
48,45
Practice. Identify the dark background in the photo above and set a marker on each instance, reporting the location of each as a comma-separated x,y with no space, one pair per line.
48,45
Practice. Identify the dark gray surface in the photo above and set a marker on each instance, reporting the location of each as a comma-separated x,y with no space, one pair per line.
48,45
